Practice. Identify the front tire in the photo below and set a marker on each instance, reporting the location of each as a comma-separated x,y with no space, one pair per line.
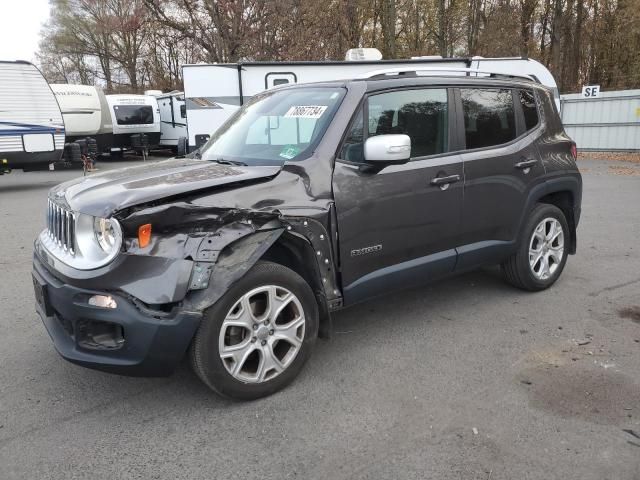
542,252
255,340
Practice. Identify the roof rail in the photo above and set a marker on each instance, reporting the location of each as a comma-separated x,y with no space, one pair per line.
377,74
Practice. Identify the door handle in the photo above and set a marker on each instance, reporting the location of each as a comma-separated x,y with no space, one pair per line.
444,182
526,164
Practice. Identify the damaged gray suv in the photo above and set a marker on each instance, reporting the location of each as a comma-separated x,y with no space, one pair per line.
309,199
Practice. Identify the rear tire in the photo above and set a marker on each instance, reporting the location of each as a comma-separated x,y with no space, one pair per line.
255,340
542,251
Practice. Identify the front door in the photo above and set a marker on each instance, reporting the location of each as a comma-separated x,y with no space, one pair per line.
398,226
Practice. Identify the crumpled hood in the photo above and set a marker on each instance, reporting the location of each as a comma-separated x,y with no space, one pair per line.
103,193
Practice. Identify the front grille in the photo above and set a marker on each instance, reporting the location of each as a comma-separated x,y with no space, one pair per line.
61,226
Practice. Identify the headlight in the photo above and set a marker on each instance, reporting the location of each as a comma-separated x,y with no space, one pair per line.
79,240
98,241
108,234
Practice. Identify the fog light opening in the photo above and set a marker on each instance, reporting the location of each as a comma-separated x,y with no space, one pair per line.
97,335
102,301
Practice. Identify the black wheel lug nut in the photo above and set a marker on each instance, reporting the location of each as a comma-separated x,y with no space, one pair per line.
270,332
266,322
264,342
255,326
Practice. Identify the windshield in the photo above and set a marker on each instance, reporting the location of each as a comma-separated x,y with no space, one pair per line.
134,114
275,127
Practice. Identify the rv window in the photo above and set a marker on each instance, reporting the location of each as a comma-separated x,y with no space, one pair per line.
183,111
133,114
488,117
280,81
276,127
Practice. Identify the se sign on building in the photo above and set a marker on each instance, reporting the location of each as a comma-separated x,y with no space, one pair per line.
591,91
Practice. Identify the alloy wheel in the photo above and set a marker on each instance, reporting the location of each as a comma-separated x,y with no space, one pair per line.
546,248
262,334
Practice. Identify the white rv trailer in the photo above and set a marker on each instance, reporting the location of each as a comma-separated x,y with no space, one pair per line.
214,91
31,125
133,114
86,113
173,118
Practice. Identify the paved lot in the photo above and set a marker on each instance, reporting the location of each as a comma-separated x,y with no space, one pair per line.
466,379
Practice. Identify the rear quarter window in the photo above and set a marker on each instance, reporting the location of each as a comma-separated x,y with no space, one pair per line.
529,108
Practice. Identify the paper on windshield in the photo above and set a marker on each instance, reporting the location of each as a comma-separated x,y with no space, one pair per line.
305,111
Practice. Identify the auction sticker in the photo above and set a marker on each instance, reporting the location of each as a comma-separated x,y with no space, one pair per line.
306,111
289,152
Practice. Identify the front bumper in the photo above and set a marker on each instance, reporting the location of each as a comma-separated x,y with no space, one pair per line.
149,343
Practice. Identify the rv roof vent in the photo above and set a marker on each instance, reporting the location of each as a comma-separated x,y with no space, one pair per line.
363,54
153,93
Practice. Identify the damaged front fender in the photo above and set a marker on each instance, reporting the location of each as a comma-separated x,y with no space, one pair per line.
224,244
222,271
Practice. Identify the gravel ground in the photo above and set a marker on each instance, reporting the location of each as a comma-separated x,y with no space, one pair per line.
465,379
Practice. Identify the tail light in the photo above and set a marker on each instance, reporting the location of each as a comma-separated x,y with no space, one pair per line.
574,151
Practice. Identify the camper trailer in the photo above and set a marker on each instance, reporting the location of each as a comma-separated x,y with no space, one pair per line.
173,118
86,114
31,125
213,92
132,115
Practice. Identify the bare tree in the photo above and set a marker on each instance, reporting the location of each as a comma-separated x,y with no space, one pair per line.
129,45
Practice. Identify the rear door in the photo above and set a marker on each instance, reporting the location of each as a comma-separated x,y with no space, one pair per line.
501,165
396,226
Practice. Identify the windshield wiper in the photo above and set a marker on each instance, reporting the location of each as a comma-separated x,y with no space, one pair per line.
223,161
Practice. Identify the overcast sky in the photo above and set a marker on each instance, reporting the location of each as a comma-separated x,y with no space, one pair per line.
20,24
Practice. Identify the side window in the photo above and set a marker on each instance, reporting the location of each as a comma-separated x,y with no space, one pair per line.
488,117
529,109
421,114
353,146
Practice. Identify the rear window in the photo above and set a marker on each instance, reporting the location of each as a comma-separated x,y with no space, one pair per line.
133,114
529,108
488,117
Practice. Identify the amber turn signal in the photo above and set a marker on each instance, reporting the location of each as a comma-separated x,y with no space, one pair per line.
144,235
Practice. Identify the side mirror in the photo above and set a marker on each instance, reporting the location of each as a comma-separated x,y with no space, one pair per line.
393,149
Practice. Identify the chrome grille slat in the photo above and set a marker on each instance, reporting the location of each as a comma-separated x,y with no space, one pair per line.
55,224
61,226
50,219
58,229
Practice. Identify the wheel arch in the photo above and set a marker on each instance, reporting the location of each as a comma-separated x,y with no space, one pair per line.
296,253
301,245
564,200
564,193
